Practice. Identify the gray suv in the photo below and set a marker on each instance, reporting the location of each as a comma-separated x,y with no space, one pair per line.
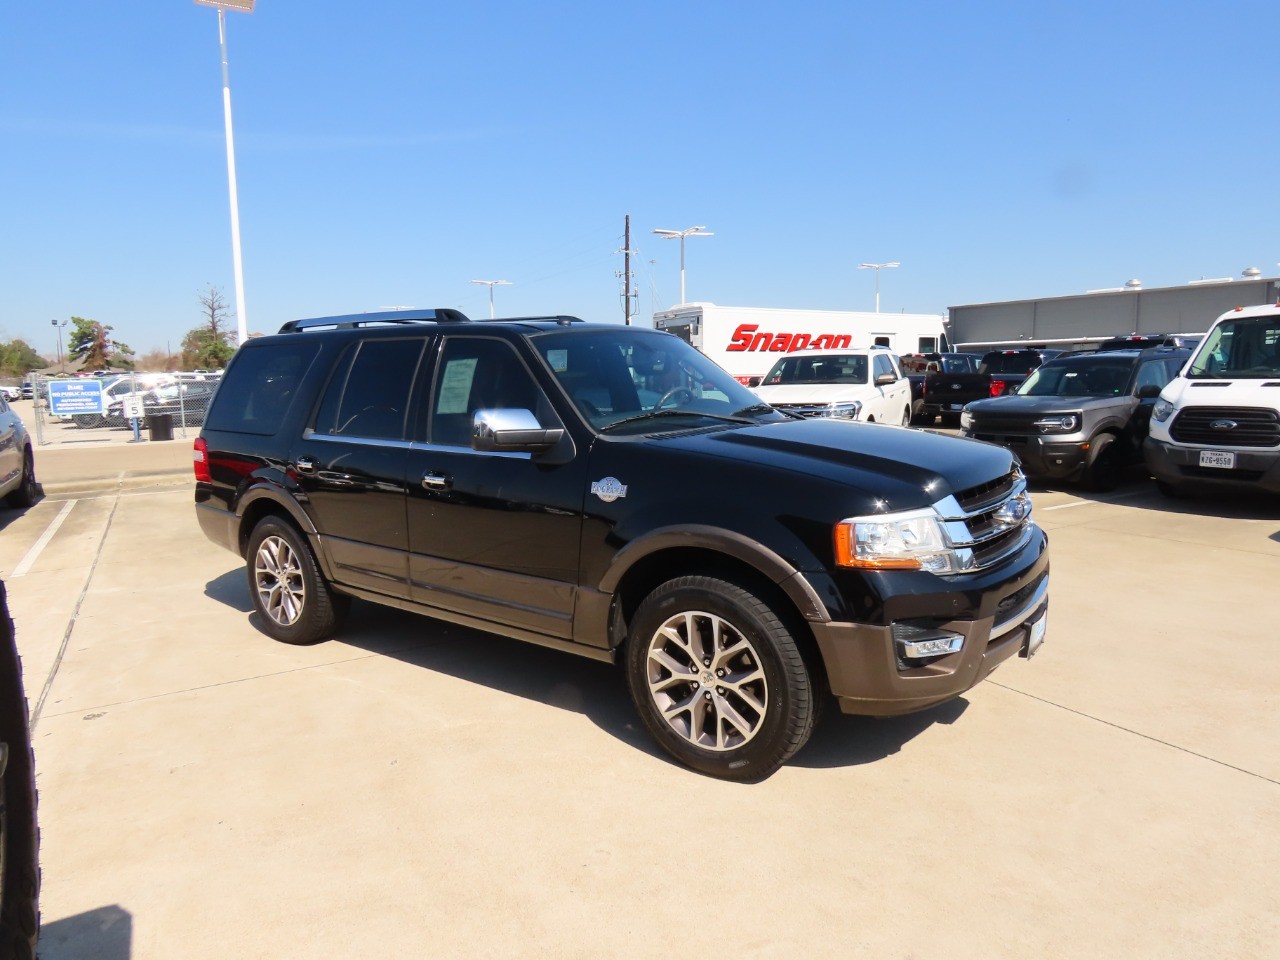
1080,417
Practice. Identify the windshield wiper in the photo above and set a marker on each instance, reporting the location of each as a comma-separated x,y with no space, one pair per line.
650,415
754,408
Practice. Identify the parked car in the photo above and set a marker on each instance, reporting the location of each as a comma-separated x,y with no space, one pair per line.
1079,417
609,491
928,365
839,384
10,392
1217,426
1144,341
19,835
998,373
186,402
18,484
27,390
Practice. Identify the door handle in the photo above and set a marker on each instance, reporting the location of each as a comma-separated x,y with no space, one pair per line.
436,481
305,465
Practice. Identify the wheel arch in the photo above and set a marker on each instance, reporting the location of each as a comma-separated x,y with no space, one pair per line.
264,500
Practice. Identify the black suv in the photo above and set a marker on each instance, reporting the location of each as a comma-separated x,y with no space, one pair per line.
609,491
1082,416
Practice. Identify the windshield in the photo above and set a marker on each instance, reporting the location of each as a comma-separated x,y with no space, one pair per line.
1022,361
850,368
1093,378
1244,349
958,365
612,376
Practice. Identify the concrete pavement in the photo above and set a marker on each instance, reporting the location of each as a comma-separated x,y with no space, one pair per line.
417,789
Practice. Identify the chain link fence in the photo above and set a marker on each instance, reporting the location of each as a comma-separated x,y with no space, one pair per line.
172,406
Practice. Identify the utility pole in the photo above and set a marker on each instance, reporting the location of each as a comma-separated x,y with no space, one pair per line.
626,273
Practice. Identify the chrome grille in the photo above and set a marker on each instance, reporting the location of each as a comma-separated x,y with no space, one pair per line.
823,410
982,535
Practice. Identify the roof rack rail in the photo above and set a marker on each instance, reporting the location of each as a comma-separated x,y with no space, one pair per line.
558,318
350,321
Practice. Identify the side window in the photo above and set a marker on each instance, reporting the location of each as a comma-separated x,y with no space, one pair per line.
882,364
368,394
478,374
928,345
1172,369
1153,373
259,387
882,342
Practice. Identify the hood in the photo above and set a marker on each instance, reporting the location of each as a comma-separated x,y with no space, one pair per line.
1038,406
1224,393
813,392
890,468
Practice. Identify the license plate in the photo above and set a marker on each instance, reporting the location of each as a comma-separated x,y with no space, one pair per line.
1035,635
955,406
1224,460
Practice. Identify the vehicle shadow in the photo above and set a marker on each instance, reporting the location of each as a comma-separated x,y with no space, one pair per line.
9,514
595,689
104,934
1140,492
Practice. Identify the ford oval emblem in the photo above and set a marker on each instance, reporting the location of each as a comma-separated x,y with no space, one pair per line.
1223,425
955,386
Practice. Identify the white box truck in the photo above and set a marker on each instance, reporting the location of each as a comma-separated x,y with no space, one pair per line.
746,341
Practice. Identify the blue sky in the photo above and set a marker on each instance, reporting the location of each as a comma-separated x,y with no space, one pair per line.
389,152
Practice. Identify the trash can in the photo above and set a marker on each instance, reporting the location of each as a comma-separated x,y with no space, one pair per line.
160,426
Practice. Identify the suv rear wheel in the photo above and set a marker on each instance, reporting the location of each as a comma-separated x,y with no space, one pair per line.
718,679
289,592
28,490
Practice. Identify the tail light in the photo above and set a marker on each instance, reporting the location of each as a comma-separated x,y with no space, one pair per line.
997,388
200,460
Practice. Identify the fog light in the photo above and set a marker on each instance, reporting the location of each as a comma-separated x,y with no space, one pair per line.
917,642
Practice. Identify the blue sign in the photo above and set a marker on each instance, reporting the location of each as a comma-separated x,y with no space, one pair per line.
69,397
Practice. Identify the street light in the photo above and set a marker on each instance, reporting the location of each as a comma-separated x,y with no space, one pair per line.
491,284
59,327
245,6
877,267
672,235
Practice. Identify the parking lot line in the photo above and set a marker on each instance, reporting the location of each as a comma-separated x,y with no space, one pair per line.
1084,503
38,547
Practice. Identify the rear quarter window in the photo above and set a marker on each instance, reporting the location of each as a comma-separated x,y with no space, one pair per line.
260,386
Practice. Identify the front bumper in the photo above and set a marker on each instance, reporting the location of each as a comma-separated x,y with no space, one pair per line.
1045,457
1180,466
869,675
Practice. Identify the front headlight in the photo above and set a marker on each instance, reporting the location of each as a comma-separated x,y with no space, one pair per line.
1059,423
842,411
895,541
1162,410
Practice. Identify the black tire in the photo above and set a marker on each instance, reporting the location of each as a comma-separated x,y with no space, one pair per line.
950,419
299,606
775,694
28,491
919,416
1104,469
19,832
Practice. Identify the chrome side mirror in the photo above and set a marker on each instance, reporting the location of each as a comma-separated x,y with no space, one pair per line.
512,431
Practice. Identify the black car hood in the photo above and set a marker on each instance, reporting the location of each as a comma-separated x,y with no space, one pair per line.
1039,406
901,468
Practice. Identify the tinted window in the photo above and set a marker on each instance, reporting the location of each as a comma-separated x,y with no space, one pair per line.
476,374
818,369
368,393
1097,378
1021,362
1153,373
259,386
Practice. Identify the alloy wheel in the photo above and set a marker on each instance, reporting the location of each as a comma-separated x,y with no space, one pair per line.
707,681
278,576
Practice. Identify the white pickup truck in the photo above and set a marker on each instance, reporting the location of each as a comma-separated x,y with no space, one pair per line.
1217,424
864,385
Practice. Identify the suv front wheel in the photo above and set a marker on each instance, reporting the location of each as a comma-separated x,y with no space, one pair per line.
718,679
290,594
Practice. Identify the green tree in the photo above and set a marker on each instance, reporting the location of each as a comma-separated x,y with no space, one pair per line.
17,359
92,345
204,350
209,346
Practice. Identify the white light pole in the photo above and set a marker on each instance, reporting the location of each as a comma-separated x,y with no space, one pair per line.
672,235
491,284
245,6
877,267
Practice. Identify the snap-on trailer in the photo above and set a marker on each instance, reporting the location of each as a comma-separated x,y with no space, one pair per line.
746,341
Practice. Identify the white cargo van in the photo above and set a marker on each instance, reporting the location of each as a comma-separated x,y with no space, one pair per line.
1217,424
